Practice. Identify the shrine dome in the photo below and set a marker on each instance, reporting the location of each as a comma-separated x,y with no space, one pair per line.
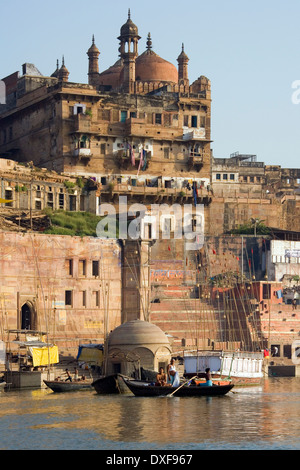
150,66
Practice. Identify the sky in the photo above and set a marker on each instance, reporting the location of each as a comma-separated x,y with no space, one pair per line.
250,50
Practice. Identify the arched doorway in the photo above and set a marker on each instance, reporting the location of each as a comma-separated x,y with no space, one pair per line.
27,317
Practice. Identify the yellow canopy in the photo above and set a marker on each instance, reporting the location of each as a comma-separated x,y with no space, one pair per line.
40,356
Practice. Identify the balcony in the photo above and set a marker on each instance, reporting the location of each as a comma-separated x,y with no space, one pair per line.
157,194
82,123
82,153
195,161
194,133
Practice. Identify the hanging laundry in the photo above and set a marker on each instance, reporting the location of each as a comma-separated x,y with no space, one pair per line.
131,153
144,160
195,193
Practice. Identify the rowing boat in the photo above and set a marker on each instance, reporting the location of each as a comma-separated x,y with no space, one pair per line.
147,390
110,384
60,386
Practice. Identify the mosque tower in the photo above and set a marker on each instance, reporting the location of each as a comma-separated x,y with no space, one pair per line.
93,55
183,78
129,51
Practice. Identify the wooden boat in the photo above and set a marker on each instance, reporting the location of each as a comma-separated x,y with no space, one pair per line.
60,386
111,384
145,389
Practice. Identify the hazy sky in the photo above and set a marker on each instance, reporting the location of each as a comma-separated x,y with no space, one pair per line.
250,50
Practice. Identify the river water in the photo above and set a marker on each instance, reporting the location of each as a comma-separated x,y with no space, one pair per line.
253,418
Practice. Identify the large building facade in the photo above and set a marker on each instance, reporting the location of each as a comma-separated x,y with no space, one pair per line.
138,129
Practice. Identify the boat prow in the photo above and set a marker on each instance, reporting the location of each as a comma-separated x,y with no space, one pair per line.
114,383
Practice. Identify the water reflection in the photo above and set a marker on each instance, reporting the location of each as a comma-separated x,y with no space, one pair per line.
252,417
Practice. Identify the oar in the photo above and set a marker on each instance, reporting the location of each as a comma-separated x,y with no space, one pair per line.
171,394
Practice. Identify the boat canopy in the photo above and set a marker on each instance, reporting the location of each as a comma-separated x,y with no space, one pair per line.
91,354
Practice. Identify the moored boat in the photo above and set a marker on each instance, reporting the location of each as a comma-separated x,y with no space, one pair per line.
240,367
60,386
110,384
147,390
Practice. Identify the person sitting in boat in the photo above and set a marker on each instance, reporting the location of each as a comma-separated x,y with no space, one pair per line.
161,378
208,377
173,376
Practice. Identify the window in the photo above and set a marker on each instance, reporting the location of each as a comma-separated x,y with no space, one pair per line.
61,201
83,298
225,176
132,114
38,205
251,179
103,114
69,267
8,196
231,177
123,116
95,299
95,268
50,200
72,203
166,152
167,225
102,149
186,120
194,121
157,118
68,297
266,291
218,176
82,267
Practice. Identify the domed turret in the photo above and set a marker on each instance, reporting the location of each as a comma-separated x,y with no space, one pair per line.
93,54
129,51
183,67
63,73
129,28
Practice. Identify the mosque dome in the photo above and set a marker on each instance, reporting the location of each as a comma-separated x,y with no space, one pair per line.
137,333
129,28
151,67
111,76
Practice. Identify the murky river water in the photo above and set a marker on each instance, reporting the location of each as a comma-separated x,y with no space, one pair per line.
252,418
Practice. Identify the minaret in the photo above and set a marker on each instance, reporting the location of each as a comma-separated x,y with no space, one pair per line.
129,51
63,73
93,54
55,74
183,78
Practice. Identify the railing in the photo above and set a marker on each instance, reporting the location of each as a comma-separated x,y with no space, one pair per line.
154,191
